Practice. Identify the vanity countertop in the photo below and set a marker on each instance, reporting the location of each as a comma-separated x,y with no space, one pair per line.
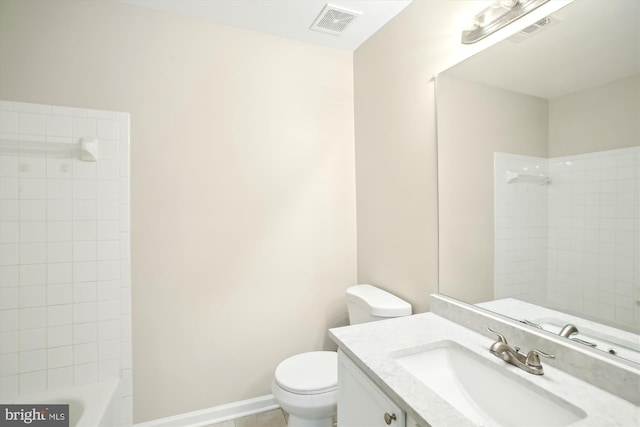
370,346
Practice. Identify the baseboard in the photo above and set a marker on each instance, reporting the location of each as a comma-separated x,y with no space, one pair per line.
215,414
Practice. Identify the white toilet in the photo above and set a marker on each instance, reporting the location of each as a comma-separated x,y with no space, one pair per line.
306,385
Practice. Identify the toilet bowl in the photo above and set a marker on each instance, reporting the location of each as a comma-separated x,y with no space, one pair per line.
306,385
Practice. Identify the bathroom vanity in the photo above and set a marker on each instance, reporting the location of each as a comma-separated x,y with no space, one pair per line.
427,370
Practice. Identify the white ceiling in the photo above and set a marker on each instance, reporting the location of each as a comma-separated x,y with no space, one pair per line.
286,18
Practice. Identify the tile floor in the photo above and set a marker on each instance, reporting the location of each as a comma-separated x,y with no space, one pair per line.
274,418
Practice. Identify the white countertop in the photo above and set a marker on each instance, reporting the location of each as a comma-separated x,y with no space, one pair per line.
370,346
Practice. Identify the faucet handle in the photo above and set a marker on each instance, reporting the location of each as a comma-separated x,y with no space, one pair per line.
533,357
501,337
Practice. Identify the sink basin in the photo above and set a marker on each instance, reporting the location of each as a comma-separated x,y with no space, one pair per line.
487,393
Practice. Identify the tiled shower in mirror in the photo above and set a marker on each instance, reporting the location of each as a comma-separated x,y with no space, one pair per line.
567,232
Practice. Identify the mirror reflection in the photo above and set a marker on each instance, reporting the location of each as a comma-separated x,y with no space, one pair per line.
539,176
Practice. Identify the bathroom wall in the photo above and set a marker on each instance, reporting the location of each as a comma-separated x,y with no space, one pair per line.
65,294
242,185
608,114
396,151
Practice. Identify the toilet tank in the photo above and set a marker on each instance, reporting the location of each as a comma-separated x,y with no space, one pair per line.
367,303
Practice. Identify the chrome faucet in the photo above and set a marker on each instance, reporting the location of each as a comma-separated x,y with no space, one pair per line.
568,330
530,362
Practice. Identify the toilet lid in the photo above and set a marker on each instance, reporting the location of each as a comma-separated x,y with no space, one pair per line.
309,373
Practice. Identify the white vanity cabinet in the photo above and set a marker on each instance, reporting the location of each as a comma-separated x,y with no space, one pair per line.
361,403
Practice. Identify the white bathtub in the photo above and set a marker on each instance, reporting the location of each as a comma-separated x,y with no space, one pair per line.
90,405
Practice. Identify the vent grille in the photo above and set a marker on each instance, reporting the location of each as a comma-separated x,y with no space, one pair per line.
334,19
525,33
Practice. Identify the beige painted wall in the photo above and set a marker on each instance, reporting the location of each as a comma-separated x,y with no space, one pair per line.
395,151
475,121
243,185
605,117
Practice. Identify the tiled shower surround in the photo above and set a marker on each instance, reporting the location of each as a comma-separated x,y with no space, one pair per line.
520,229
64,251
574,243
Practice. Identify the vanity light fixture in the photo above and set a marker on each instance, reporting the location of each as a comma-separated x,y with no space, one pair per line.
500,14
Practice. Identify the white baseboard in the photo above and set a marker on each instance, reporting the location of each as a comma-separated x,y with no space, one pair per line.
216,414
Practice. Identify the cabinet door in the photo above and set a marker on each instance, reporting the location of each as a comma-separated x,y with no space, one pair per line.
411,422
360,402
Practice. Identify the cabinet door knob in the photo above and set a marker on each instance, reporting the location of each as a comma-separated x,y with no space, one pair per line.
389,417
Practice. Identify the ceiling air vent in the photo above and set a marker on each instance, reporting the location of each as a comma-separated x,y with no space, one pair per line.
525,33
334,19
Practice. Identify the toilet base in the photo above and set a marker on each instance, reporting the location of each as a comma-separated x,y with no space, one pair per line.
295,421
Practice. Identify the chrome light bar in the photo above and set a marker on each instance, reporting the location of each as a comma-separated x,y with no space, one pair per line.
497,16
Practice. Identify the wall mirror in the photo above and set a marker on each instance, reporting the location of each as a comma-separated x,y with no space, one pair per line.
538,176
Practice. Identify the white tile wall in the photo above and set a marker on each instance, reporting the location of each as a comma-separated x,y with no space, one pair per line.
64,238
592,237
520,229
